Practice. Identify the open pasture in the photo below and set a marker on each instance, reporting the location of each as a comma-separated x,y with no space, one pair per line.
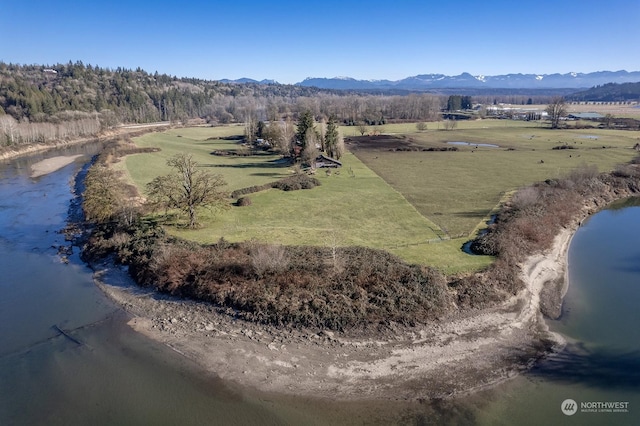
352,207
458,190
421,205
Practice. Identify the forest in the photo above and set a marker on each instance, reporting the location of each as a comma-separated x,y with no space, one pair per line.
41,103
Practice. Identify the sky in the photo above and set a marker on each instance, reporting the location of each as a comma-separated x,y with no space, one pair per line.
288,41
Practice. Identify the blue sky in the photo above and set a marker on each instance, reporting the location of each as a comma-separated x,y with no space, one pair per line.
288,41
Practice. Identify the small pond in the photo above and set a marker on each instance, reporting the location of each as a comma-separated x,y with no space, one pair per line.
488,145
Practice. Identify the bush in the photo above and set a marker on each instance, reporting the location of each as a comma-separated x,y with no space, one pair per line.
268,258
243,202
290,183
296,182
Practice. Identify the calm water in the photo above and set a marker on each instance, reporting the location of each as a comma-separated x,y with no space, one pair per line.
601,320
118,377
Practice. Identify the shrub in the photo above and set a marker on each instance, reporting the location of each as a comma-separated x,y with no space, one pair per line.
268,258
296,182
290,183
243,202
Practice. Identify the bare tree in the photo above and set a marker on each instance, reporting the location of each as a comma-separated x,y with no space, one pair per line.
556,110
187,188
310,151
450,124
339,148
285,141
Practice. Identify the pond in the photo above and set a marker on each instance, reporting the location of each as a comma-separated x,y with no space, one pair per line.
486,145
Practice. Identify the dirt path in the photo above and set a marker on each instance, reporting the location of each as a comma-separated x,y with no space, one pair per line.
454,356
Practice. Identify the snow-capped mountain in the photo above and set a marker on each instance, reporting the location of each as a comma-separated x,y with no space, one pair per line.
571,80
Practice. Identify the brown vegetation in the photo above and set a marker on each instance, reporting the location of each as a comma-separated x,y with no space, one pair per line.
345,287
294,286
529,222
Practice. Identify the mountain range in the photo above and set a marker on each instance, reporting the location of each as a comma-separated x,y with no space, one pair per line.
427,82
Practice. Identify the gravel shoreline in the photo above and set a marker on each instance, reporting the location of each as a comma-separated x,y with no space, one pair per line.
454,356
52,164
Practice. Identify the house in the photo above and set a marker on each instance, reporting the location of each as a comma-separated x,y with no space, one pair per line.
324,161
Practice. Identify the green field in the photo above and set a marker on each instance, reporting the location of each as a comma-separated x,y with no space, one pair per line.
457,190
405,202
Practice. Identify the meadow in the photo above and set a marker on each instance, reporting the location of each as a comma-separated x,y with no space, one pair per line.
459,190
419,205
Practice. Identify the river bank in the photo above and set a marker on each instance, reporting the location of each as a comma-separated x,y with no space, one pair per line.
456,355
131,130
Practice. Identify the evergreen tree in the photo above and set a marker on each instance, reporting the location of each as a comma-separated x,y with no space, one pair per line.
305,123
331,137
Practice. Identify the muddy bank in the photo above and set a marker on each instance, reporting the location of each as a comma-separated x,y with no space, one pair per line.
8,154
50,165
130,130
454,356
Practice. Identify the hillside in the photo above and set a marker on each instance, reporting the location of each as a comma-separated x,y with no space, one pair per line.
38,93
611,92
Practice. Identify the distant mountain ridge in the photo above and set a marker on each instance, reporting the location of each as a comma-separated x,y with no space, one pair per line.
610,92
245,80
425,82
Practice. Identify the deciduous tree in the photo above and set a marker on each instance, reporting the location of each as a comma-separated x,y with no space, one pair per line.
103,196
187,188
556,110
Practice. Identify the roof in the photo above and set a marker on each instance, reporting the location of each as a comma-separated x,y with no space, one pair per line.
586,115
324,159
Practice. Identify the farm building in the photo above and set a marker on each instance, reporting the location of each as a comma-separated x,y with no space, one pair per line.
324,161
585,116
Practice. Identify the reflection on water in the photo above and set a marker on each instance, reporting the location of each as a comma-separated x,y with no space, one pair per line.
603,368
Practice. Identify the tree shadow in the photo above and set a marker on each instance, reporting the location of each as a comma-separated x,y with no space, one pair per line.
473,213
600,368
271,164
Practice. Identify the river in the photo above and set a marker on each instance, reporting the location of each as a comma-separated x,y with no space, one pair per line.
102,373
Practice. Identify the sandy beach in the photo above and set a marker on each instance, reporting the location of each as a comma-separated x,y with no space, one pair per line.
50,165
457,355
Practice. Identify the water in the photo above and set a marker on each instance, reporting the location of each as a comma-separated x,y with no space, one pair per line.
113,376
600,320
486,145
116,376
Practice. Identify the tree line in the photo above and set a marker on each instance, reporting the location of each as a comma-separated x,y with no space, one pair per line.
96,98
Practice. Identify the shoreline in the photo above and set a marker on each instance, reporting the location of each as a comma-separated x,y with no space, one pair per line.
456,356
52,164
37,148
132,129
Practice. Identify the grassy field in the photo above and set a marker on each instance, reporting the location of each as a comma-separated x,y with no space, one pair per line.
403,202
354,207
458,190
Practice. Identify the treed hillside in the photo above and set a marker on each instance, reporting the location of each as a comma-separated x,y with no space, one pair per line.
39,92
611,92
41,104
